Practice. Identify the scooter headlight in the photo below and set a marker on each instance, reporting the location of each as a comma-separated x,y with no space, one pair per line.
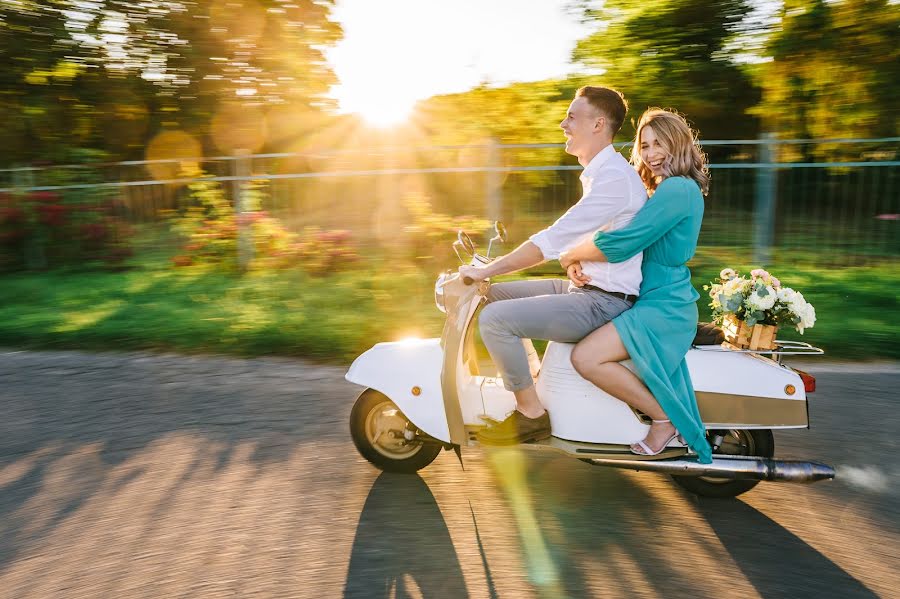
439,291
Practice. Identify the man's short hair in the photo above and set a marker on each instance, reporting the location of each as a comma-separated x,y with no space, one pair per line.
609,101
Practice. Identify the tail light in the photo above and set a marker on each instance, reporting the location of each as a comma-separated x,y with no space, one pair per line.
809,381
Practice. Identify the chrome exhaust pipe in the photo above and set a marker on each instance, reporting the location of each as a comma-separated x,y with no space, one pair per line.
730,467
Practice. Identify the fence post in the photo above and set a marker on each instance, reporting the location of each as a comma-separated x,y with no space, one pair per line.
764,208
34,250
494,183
244,231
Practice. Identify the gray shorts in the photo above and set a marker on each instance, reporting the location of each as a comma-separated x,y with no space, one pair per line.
550,309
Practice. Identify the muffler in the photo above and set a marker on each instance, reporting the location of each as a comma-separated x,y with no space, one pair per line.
730,467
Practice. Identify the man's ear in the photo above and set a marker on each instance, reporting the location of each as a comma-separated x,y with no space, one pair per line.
600,123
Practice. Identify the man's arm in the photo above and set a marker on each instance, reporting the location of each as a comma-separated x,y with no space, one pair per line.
524,256
609,196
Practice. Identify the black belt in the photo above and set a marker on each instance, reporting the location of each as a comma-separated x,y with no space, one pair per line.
622,296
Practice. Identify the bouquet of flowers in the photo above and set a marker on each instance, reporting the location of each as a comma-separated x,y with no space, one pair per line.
757,300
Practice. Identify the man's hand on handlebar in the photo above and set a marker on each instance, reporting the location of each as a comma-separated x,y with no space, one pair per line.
578,278
476,273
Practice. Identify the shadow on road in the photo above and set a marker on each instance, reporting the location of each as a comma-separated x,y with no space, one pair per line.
71,424
402,543
775,561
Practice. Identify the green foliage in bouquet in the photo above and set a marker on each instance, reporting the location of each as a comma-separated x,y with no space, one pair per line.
759,299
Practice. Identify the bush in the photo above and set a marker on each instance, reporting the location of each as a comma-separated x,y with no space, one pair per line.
431,235
212,231
45,229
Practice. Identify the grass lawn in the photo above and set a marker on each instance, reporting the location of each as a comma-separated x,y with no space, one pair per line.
195,309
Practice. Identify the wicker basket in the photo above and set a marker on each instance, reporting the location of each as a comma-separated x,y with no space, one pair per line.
759,336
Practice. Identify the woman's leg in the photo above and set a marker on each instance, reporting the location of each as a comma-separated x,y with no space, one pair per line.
597,357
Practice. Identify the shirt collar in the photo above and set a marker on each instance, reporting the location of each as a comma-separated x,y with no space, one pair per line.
598,161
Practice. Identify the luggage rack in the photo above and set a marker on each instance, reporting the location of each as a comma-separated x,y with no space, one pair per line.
784,348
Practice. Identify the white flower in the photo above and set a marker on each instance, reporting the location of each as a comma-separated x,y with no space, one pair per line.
808,318
733,286
760,301
727,273
786,295
804,313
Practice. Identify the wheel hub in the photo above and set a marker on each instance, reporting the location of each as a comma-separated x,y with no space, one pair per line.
389,433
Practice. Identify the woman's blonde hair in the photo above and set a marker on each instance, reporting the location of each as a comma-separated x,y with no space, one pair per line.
680,143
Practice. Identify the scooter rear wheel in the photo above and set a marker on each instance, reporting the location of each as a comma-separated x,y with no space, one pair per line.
743,442
380,432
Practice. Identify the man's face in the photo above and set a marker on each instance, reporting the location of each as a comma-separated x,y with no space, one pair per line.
581,124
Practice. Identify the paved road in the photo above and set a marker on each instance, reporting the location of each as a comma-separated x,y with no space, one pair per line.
137,475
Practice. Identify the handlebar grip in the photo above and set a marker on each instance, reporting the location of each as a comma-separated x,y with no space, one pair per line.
468,280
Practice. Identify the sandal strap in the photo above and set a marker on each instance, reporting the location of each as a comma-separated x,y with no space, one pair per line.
645,447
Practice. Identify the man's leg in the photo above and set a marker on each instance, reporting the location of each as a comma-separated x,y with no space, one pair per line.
526,399
565,317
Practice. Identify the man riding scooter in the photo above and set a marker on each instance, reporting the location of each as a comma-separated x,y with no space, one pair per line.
557,310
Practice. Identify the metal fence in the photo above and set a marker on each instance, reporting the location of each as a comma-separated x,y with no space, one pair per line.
826,201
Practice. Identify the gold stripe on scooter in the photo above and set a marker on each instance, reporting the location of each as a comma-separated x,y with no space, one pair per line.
750,410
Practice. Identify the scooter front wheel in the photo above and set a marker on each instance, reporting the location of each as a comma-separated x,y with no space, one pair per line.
384,436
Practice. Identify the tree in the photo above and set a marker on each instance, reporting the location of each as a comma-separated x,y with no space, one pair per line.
674,54
111,73
835,71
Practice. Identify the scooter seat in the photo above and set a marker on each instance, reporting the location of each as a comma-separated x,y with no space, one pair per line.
708,334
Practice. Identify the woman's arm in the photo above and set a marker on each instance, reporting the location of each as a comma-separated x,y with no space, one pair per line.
669,205
585,250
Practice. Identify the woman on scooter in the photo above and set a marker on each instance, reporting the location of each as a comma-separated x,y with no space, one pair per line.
658,331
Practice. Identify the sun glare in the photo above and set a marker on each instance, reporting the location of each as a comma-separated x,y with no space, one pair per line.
376,107
385,113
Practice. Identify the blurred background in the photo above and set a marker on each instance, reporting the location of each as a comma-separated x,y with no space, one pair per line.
287,176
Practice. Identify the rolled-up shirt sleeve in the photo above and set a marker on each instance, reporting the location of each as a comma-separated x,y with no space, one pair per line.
608,197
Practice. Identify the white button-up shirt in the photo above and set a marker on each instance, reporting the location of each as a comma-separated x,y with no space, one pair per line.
612,194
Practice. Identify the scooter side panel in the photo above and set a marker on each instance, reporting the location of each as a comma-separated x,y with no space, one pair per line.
741,390
742,374
398,369
734,390
579,411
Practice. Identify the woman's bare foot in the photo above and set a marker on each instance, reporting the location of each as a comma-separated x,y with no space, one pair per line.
659,435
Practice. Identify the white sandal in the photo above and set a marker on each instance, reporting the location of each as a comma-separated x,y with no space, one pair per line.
646,448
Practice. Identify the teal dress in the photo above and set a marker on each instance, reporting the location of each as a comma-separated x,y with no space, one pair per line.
659,329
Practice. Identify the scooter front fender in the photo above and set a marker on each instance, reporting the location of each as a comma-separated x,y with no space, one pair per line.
409,373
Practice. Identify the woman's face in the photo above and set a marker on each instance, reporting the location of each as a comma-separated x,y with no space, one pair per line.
652,152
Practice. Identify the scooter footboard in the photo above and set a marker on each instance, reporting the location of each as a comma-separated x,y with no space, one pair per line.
409,373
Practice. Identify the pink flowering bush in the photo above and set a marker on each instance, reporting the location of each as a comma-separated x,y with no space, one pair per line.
211,230
45,229
322,252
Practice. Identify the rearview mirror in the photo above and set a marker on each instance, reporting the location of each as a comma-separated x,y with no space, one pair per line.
500,229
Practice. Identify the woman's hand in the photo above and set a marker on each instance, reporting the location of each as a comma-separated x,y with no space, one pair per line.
578,278
566,260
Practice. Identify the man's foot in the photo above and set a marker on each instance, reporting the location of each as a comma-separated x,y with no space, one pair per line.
516,428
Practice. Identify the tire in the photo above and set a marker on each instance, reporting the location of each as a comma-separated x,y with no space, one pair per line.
759,443
377,426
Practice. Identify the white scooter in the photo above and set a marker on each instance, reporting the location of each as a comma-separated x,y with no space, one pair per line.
425,395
